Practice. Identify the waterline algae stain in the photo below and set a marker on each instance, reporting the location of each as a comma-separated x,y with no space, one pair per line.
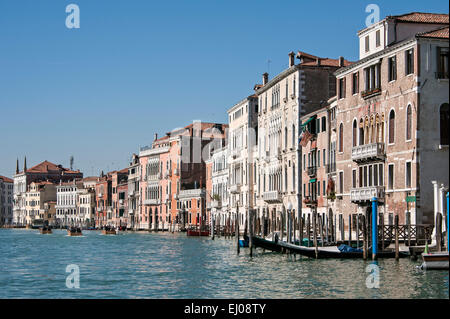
166,265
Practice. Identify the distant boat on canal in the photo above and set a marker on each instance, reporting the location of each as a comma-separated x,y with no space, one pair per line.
45,230
74,231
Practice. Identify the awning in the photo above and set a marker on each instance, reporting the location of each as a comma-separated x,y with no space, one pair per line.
309,120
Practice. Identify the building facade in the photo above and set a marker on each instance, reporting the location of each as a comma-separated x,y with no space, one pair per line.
392,119
6,200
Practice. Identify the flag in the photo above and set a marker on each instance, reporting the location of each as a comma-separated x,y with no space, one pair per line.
306,136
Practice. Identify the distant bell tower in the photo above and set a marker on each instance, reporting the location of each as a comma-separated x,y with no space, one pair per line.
17,166
25,165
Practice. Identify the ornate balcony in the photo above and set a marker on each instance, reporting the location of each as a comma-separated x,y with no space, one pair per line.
310,201
368,152
152,202
370,93
312,170
272,197
364,194
235,189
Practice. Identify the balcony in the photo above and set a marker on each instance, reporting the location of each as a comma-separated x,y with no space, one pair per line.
235,189
368,152
152,202
192,193
216,204
272,197
370,93
312,170
310,201
365,194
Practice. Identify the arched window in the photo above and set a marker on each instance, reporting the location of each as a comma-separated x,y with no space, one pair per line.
391,127
361,132
285,137
444,127
341,138
408,122
355,130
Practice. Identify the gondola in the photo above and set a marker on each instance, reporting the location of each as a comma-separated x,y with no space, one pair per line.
322,252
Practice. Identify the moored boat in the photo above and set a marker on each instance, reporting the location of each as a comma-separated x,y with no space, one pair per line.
438,260
197,232
109,231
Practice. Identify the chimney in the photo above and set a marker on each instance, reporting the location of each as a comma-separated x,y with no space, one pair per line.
265,78
341,61
156,136
291,59
318,61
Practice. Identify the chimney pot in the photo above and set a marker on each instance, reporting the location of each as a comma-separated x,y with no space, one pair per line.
156,136
291,59
265,78
341,61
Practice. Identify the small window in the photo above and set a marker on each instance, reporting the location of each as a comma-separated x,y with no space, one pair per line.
408,174
391,176
341,138
341,182
391,127
342,88
367,43
408,123
409,61
355,83
392,68
378,38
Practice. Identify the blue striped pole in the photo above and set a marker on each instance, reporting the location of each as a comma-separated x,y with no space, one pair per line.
374,228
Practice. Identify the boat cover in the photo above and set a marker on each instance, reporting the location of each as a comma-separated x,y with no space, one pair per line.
347,249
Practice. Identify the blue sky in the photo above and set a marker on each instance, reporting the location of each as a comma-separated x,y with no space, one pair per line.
139,67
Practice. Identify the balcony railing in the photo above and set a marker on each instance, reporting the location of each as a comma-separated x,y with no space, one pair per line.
370,92
367,152
216,204
152,202
312,170
272,197
310,200
191,193
364,194
235,189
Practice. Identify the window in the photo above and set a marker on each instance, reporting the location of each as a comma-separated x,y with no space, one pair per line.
408,174
354,178
372,77
323,155
355,83
354,136
324,124
377,35
408,123
391,127
442,63
342,88
341,138
341,182
380,175
391,176
444,121
318,158
367,43
304,161
392,64
409,61
318,188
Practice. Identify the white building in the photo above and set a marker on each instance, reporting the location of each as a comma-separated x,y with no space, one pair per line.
219,192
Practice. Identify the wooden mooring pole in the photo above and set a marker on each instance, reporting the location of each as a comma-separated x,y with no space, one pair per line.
321,230
438,232
350,230
365,246
396,238
251,230
315,233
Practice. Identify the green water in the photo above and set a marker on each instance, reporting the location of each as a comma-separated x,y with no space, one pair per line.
165,265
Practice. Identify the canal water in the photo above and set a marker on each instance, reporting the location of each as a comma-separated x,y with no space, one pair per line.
165,265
